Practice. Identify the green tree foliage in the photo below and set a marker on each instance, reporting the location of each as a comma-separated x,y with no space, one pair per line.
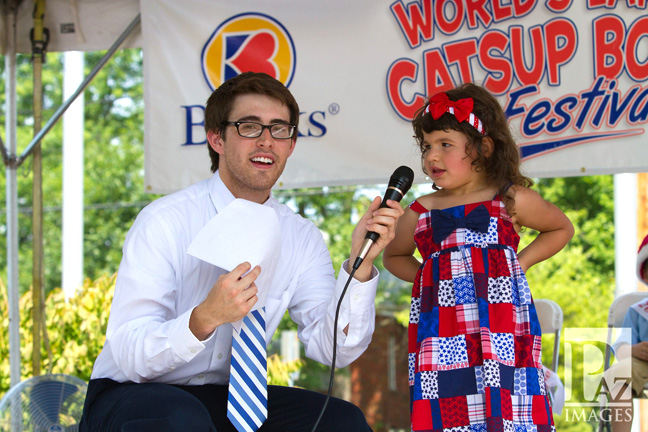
76,330
580,278
113,163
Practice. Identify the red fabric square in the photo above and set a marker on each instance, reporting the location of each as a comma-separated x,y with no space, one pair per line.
524,351
507,407
454,411
494,424
477,255
427,279
412,334
474,349
445,267
507,235
416,287
501,317
447,321
539,410
498,264
421,415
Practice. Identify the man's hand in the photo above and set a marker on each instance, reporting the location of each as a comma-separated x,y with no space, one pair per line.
229,300
381,221
640,351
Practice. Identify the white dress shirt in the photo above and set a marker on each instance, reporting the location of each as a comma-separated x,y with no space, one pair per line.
159,284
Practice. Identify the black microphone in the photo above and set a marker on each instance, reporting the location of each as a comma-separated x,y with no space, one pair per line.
399,183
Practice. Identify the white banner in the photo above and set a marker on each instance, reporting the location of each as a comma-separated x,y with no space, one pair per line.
572,76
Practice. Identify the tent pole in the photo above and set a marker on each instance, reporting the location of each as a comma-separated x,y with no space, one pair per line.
12,196
38,290
57,115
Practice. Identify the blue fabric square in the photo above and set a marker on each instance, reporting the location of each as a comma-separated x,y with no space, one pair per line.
428,325
507,376
411,391
478,427
523,289
457,212
435,409
495,402
534,322
452,350
457,382
482,304
533,386
464,290
514,293
479,378
416,392
520,382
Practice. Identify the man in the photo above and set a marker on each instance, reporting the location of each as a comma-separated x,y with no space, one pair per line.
632,351
166,361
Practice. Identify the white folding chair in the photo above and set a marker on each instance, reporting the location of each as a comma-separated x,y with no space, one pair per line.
550,315
616,314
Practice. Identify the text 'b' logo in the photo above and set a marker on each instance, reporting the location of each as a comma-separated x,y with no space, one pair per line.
248,42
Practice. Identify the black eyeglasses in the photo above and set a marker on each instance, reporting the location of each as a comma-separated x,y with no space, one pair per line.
248,129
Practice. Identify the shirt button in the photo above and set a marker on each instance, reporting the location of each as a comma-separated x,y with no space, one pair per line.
356,298
200,376
220,356
192,350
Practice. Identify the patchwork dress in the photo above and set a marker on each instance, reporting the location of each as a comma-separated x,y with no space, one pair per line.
474,335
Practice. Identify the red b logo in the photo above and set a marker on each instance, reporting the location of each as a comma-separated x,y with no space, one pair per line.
248,42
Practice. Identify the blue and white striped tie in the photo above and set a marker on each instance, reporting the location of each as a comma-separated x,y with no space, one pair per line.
247,402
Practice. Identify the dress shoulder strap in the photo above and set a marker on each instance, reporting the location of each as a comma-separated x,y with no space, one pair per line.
417,207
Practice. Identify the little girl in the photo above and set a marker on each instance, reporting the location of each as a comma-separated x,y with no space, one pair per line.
474,336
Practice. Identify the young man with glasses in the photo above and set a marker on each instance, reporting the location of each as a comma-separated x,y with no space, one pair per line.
166,361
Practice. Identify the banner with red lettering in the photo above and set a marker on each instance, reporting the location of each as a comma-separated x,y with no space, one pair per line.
572,77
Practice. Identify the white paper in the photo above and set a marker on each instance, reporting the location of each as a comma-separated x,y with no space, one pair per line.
242,231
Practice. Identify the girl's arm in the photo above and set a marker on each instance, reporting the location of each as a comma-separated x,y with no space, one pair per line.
555,228
398,256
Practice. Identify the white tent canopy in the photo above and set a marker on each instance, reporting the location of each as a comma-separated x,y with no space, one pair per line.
74,25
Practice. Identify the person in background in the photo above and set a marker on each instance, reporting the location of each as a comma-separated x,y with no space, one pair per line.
165,365
628,377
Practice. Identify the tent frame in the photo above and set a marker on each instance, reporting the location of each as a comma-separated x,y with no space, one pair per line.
12,162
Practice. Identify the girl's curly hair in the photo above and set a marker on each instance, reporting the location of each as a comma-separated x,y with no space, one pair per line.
502,165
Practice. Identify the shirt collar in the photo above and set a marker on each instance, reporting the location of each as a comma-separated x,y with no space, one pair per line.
221,195
218,192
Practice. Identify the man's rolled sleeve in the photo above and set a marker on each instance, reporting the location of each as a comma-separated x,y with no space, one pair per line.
358,309
183,342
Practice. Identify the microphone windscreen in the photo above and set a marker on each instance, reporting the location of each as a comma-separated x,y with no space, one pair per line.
402,179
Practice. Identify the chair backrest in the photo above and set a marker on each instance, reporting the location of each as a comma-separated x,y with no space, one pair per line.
620,306
550,315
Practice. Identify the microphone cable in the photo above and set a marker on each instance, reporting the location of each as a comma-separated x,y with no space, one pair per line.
399,183
335,332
